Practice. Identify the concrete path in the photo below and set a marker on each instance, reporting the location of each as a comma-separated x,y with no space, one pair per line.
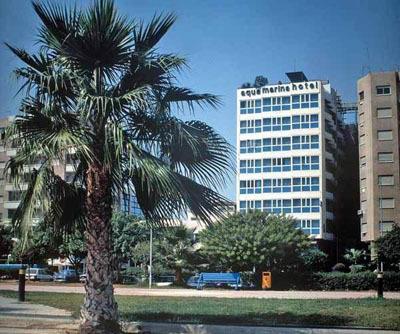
26,318
119,290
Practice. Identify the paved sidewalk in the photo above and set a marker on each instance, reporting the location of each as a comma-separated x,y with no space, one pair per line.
26,318
209,292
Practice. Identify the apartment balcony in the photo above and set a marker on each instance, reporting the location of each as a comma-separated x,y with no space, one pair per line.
11,204
329,156
11,152
329,176
70,168
12,187
330,215
329,195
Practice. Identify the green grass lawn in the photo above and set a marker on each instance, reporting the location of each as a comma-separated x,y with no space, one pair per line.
348,312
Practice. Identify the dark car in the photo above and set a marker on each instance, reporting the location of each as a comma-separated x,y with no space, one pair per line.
66,275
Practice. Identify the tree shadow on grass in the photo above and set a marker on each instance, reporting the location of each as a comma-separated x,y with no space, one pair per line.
248,319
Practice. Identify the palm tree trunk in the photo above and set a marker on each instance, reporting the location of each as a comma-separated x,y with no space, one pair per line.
99,313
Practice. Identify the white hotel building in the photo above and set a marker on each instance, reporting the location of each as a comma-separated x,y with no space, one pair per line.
287,137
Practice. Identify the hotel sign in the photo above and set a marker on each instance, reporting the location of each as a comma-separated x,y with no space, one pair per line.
280,88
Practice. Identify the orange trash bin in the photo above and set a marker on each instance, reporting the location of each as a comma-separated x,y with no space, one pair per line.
266,280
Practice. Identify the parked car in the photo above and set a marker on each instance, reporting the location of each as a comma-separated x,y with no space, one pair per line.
82,278
66,275
165,280
38,274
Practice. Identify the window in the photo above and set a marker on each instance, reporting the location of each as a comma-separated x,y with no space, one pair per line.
385,226
10,213
386,180
362,140
361,95
363,162
14,196
383,112
383,90
250,107
385,135
385,157
363,184
386,203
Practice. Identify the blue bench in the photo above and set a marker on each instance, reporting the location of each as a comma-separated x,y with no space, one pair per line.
218,278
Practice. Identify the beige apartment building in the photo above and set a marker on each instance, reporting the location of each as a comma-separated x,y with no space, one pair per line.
378,99
10,193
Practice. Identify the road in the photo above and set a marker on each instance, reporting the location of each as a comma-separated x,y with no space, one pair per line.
216,293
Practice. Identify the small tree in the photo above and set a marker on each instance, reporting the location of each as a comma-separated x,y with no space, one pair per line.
388,247
314,259
355,256
255,240
175,249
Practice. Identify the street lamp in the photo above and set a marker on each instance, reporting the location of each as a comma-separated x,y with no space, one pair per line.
151,256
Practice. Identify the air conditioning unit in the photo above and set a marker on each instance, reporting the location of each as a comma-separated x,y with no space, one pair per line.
360,212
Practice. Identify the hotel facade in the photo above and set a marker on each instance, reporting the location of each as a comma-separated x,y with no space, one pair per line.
288,141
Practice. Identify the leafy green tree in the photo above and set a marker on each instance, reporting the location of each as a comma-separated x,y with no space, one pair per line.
6,244
388,247
314,259
127,232
74,248
175,249
99,87
255,240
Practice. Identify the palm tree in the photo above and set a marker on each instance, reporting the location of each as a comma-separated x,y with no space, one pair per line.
98,93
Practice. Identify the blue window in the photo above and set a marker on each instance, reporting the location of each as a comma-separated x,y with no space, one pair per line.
314,101
267,186
315,228
295,142
305,205
267,124
286,206
296,163
315,205
314,121
286,103
296,184
314,141
257,164
296,205
267,104
286,144
296,102
285,123
286,164
314,162
243,166
315,184
267,144
286,185
257,205
267,206
266,165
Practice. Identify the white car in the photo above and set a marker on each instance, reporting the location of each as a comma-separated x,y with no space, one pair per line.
38,274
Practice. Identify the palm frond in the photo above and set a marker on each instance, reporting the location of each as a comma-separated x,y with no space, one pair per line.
147,36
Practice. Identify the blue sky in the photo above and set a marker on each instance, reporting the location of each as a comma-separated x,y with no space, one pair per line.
230,42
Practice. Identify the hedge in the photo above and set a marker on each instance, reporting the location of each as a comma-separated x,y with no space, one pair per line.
354,281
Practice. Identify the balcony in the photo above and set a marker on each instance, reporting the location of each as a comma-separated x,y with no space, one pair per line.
11,205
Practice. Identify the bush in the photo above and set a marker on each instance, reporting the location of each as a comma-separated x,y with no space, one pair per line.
357,268
354,281
339,267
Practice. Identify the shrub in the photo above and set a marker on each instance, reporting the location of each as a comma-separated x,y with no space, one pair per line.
354,281
339,267
314,260
357,268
